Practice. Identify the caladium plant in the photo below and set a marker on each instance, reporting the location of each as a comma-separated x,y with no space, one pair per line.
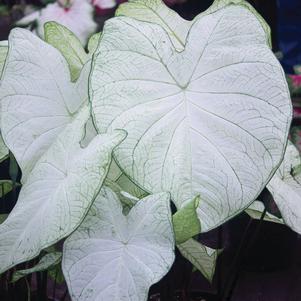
158,110
180,97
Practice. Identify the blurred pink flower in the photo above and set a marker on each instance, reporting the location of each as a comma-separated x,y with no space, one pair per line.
296,80
104,4
105,7
76,15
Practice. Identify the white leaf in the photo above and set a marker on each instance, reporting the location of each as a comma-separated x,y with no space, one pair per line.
285,188
202,257
211,120
57,194
116,257
37,97
157,12
90,133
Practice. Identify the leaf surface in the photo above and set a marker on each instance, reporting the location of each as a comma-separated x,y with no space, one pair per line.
157,12
57,194
211,120
68,44
93,42
116,257
185,221
37,97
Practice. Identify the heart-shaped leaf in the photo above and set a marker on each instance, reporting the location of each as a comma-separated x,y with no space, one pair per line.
155,11
116,257
211,120
37,97
57,194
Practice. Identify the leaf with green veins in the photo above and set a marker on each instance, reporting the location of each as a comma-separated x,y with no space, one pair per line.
156,11
256,209
286,188
201,257
38,99
58,192
221,4
5,187
93,43
211,120
186,223
69,45
116,257
48,261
